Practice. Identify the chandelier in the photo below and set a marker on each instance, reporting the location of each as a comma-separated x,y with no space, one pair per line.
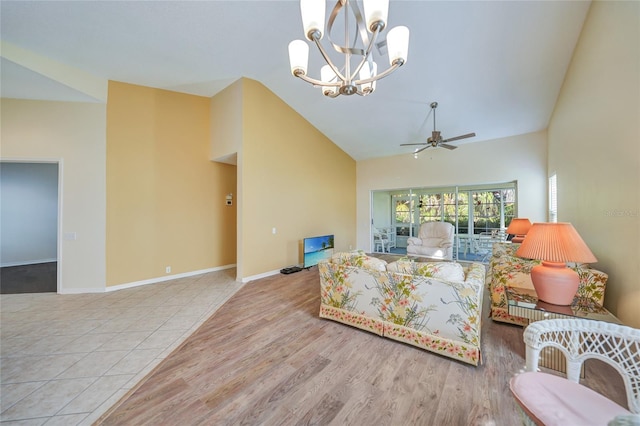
359,40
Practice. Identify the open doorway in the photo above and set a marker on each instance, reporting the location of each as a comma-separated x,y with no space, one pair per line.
29,227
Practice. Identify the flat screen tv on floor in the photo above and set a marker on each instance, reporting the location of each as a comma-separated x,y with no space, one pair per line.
316,249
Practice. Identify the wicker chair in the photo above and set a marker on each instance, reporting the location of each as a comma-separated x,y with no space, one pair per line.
548,399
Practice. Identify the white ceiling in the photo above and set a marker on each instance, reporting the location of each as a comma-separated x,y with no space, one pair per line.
494,67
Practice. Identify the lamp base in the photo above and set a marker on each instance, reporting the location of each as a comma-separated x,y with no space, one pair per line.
555,283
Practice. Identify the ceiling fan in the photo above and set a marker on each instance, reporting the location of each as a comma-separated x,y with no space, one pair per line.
436,138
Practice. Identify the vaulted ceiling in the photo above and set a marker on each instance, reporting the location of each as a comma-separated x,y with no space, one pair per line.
494,67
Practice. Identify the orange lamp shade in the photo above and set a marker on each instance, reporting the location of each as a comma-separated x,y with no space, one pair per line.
519,227
555,244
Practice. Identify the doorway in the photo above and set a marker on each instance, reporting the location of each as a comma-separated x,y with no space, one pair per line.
29,222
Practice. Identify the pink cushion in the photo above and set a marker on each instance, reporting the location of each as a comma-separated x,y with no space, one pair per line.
553,400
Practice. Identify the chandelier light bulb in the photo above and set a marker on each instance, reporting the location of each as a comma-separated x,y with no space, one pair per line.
313,12
328,76
298,56
398,44
376,12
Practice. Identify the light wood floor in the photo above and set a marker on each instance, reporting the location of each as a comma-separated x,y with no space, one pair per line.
266,358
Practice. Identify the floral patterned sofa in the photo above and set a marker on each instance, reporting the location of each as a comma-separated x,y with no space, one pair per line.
508,270
435,306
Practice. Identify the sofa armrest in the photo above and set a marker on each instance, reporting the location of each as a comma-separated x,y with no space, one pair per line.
593,284
414,241
475,274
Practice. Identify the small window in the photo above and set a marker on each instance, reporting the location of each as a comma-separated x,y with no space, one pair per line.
553,198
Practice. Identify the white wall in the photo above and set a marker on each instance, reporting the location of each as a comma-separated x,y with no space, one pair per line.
594,146
28,213
73,134
520,158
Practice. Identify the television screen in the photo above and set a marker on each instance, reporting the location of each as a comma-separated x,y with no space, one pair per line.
316,249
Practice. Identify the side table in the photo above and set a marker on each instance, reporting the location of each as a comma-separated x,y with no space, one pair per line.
524,303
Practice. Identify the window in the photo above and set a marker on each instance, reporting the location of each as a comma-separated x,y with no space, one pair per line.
553,198
463,212
472,209
492,209
430,207
403,214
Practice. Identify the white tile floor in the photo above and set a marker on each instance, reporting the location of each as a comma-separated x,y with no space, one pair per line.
66,359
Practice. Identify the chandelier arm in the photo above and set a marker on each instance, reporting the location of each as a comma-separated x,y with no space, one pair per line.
396,64
328,60
366,54
301,75
331,94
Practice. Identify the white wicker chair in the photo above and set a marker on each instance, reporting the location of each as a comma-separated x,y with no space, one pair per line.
548,399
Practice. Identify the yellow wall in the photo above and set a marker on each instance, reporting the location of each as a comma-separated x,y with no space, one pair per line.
226,144
226,123
594,147
293,179
73,135
165,198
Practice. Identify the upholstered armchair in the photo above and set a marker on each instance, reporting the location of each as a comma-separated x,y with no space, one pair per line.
435,240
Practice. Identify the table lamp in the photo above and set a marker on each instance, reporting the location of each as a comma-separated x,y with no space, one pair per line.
555,244
519,227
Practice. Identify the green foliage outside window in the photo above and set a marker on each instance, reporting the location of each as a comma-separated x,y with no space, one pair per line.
441,206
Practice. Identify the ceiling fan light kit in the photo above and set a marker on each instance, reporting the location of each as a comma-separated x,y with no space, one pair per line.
436,137
335,81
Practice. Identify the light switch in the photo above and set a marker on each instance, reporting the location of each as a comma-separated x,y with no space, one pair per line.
70,236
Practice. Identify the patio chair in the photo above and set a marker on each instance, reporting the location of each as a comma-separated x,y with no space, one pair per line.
549,399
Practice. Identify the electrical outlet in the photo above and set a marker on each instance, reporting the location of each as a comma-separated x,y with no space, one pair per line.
167,269
273,231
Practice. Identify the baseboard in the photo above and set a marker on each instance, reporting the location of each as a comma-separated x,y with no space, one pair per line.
257,277
267,274
145,282
27,262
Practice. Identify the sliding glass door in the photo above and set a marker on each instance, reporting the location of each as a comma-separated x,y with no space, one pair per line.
404,219
472,209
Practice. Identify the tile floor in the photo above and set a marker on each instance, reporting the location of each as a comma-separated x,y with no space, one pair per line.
66,359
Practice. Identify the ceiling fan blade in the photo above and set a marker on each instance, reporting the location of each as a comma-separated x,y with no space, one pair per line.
468,135
444,145
409,144
419,150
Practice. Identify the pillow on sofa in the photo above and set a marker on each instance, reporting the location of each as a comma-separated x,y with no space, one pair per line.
449,271
359,259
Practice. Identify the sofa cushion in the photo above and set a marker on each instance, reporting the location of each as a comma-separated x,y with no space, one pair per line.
449,271
432,242
358,258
